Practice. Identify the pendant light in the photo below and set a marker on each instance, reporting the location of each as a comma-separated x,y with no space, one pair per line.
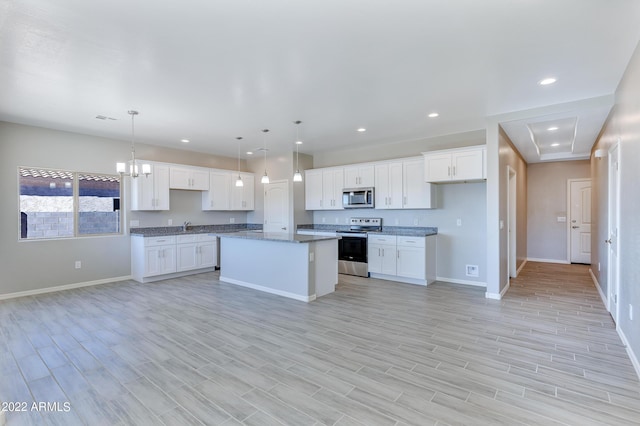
133,166
297,176
265,177
239,180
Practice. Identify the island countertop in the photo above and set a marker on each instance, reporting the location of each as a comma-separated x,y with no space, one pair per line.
274,236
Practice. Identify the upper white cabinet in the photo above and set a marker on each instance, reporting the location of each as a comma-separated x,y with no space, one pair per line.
452,165
359,176
416,193
388,185
218,197
223,194
399,184
151,192
323,189
242,196
191,178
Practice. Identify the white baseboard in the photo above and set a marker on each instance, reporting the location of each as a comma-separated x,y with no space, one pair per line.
602,296
535,259
62,287
632,355
299,297
520,267
497,296
457,281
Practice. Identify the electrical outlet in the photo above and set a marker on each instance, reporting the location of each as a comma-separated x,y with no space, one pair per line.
416,221
169,222
630,312
598,266
324,220
472,270
78,264
134,223
232,220
459,222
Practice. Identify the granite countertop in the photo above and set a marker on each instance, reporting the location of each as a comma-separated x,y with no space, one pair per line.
274,236
402,231
161,231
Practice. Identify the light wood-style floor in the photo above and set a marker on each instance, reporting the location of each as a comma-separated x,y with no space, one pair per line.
194,350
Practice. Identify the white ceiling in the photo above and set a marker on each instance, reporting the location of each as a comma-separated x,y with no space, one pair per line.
213,70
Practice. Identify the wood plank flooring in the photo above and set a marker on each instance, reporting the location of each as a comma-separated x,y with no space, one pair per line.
194,351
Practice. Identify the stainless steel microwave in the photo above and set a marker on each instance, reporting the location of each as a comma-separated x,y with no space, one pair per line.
358,198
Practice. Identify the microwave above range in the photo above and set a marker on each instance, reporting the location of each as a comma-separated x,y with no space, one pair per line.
358,198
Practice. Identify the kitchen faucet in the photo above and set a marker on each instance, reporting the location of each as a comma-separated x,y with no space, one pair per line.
185,225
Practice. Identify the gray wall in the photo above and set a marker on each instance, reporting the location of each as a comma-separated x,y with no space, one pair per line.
622,127
34,265
547,195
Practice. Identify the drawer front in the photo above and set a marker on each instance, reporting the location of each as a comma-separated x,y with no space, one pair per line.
159,241
411,241
205,238
191,238
382,239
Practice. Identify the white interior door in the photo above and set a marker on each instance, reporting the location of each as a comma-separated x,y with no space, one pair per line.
276,207
580,225
612,241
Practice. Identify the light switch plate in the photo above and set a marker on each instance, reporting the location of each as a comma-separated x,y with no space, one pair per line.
562,218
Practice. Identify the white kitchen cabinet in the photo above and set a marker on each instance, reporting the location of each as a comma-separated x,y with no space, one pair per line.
152,256
313,189
242,197
381,254
158,258
359,176
411,257
190,178
414,258
218,197
323,189
452,165
332,189
196,251
151,192
416,193
388,185
223,194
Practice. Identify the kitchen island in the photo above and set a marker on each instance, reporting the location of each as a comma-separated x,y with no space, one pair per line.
301,267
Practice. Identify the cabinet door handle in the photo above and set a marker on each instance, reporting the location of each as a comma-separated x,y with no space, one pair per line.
454,170
398,254
449,171
404,200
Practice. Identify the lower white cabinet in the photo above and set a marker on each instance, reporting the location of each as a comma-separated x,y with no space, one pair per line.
402,258
157,258
381,254
196,252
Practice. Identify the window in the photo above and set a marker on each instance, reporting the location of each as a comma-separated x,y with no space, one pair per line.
59,204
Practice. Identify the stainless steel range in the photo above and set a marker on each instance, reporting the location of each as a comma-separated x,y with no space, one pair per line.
352,245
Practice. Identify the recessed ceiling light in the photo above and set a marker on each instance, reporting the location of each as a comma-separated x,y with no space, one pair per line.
362,129
298,142
555,144
547,81
433,115
551,129
249,152
184,140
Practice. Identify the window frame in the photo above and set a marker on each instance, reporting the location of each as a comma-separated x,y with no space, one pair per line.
75,203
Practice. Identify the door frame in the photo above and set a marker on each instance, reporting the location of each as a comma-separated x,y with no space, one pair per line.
613,283
512,196
568,217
